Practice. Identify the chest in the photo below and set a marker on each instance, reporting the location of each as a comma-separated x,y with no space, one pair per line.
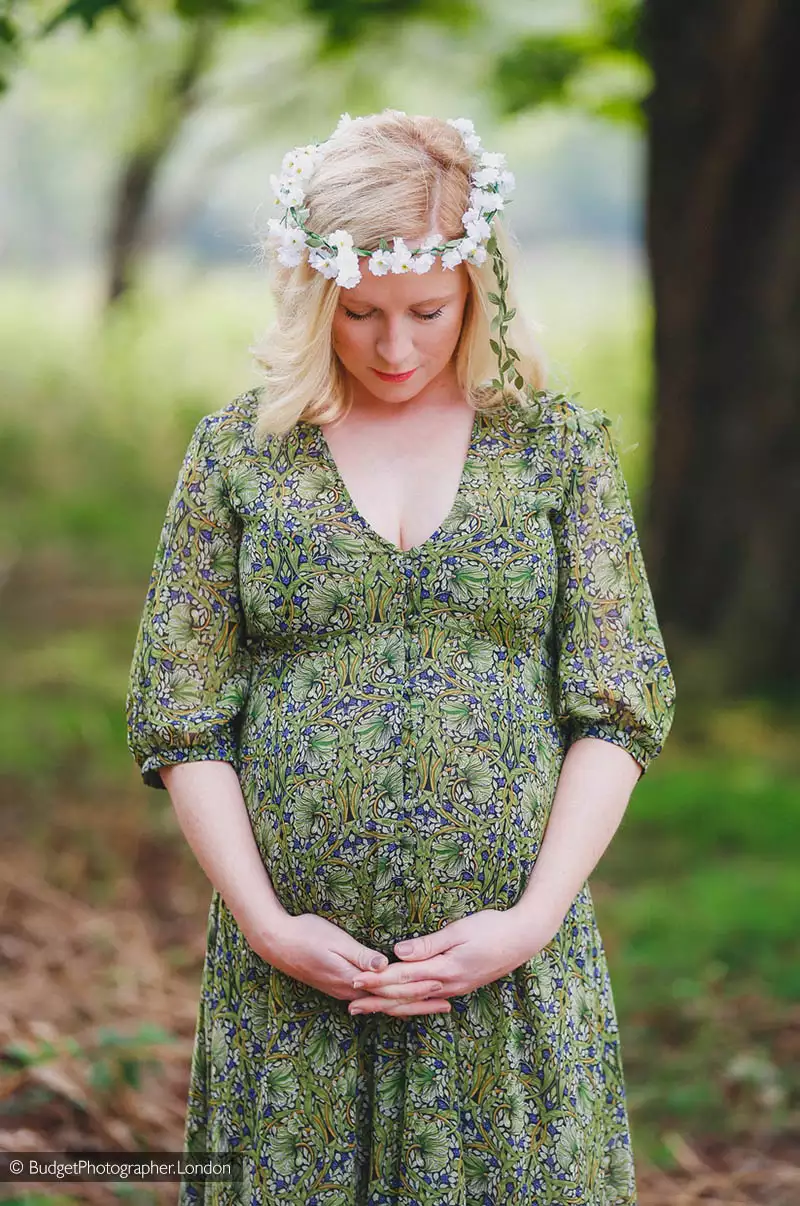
314,564
404,480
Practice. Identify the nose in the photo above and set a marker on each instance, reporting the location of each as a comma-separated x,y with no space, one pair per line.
394,344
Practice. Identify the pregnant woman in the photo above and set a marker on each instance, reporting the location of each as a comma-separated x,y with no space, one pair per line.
399,670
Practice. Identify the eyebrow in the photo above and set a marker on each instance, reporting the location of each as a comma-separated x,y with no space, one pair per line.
428,301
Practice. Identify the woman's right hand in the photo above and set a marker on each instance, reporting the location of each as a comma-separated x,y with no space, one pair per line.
318,953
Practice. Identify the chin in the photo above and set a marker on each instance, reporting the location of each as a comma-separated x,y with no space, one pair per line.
403,391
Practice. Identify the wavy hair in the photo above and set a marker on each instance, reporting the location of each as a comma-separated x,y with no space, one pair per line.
383,176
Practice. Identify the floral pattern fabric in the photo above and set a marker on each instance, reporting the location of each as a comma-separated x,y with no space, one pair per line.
398,721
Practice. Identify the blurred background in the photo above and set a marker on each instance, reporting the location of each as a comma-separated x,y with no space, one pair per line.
658,219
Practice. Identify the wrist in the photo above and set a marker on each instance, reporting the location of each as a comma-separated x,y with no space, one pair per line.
537,922
265,931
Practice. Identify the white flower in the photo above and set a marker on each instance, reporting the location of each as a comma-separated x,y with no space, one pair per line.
275,228
472,252
342,240
290,256
348,271
422,263
464,126
380,262
289,192
485,202
506,183
286,237
467,131
479,229
493,159
484,176
431,240
344,121
401,257
324,262
451,258
298,164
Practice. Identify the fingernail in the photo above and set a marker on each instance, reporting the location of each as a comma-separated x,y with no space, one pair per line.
404,948
358,984
378,961
356,1010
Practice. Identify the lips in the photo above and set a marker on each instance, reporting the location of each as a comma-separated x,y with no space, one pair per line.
395,376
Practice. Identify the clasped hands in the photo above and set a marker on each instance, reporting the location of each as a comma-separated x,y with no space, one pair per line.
460,957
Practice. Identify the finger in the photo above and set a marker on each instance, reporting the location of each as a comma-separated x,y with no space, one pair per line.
410,1008
405,992
370,1005
426,946
364,959
401,973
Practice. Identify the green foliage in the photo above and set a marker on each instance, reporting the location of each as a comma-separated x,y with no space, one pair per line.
506,356
538,69
346,22
598,68
40,1199
119,1059
621,20
113,1060
9,34
88,12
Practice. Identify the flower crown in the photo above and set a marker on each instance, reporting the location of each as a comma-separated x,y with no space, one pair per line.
335,256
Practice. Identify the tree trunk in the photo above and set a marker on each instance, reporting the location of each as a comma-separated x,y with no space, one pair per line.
139,171
723,229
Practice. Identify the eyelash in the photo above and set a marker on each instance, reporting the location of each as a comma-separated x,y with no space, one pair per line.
423,317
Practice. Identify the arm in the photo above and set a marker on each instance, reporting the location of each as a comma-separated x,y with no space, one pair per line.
211,811
593,791
189,674
188,684
615,691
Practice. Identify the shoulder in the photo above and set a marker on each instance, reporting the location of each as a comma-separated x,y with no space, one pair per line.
559,424
230,429
559,413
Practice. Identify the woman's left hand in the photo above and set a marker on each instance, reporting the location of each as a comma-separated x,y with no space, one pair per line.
462,956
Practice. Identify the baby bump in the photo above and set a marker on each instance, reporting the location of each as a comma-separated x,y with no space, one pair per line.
394,793
384,836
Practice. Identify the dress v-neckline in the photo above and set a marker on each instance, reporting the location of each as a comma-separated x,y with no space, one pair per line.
325,451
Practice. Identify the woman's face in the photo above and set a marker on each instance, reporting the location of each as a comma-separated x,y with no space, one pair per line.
395,334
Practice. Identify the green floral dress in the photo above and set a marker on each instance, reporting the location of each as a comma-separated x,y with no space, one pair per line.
398,720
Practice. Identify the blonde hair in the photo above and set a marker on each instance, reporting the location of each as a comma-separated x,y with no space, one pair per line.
383,176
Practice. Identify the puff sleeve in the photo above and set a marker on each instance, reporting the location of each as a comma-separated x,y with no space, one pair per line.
613,677
189,674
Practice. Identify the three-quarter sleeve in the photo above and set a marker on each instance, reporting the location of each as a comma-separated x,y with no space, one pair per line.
613,677
189,674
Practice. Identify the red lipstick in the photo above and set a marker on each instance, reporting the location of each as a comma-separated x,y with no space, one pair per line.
395,376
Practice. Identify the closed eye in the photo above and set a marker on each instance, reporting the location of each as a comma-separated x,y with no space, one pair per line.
424,317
